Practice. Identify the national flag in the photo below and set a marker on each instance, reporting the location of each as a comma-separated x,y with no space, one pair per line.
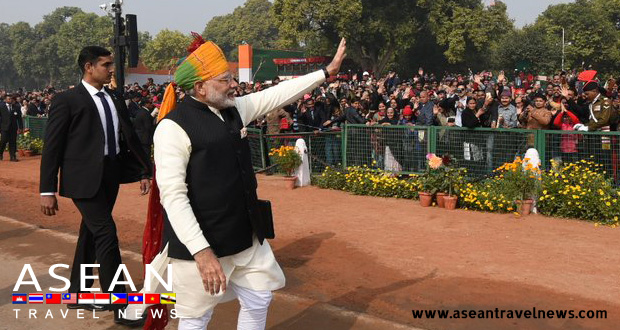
86,298
151,298
102,298
69,298
35,298
53,298
168,298
20,298
135,298
118,298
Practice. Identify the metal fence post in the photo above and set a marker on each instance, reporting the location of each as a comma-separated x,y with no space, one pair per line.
541,146
432,139
344,145
263,149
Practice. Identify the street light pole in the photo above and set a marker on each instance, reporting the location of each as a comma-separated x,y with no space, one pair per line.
119,43
563,49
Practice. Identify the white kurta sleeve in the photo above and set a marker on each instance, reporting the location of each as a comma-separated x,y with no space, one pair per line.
172,151
255,105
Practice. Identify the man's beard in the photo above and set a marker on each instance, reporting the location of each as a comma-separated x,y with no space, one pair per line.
220,101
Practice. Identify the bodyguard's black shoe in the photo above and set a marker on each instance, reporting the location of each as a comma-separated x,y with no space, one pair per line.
127,322
90,307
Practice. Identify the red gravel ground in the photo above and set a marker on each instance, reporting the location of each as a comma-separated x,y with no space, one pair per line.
386,257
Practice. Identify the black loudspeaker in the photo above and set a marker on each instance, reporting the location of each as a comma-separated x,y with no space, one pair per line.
132,39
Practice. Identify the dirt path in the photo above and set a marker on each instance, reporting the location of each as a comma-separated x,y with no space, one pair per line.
386,257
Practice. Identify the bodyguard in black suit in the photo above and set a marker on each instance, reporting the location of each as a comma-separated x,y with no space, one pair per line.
10,124
90,140
145,125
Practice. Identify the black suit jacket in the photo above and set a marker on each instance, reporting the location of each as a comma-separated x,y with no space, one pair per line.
144,126
74,144
10,117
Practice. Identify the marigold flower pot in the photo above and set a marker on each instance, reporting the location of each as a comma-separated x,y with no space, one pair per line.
450,202
524,207
440,199
426,199
28,153
290,182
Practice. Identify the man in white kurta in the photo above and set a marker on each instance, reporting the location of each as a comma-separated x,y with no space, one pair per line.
253,273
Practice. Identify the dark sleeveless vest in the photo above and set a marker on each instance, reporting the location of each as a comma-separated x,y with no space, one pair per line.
220,181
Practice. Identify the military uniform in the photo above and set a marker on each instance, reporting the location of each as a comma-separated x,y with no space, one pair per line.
602,114
603,118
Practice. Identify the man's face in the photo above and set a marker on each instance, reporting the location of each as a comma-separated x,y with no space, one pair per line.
571,94
556,91
393,103
480,95
423,97
356,105
9,100
309,104
556,79
343,103
591,94
218,92
460,90
102,71
505,100
549,90
418,86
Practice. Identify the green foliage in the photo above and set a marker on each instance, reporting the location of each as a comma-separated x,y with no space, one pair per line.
529,48
165,49
251,23
580,190
361,180
591,32
489,195
84,29
287,158
521,178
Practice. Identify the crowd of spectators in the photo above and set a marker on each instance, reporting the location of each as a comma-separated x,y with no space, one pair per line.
525,101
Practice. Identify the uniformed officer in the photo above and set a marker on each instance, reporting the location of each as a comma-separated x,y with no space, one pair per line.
603,116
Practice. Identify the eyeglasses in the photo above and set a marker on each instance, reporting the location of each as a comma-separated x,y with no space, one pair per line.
228,79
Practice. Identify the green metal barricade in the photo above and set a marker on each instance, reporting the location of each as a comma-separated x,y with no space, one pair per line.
570,146
324,148
399,149
482,150
36,125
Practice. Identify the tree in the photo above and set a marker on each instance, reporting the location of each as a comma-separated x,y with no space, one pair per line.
9,74
384,33
84,29
24,40
251,23
528,49
46,48
165,49
591,31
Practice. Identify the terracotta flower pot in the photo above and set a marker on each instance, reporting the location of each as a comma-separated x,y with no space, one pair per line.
28,153
450,202
20,152
290,182
524,207
440,199
426,199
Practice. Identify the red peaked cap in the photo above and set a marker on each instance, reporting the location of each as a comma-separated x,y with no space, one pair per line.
588,77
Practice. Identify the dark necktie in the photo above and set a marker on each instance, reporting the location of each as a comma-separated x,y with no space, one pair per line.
109,129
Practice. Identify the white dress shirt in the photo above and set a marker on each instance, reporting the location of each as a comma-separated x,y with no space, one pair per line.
93,91
173,149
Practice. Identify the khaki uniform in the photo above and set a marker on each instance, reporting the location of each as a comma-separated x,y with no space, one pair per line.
602,114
